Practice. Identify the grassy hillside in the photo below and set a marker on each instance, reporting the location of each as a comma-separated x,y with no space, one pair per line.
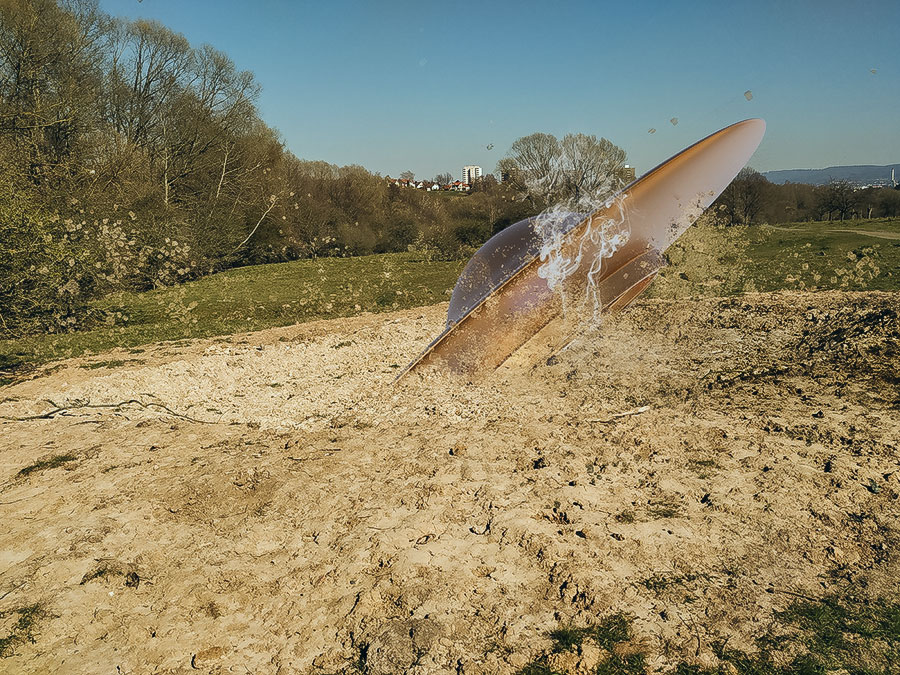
250,298
799,256
706,261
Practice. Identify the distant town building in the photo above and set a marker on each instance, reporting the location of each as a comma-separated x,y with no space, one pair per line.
427,185
470,173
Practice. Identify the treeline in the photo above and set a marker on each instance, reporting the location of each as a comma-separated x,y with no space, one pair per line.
751,199
130,159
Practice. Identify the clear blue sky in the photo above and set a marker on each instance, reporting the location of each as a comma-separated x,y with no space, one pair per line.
428,86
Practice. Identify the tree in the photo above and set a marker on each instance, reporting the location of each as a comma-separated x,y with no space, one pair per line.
838,198
443,178
743,200
590,166
130,159
751,193
204,122
889,203
148,67
487,183
578,168
530,165
408,175
49,76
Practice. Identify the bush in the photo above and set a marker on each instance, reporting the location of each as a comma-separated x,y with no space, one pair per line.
45,274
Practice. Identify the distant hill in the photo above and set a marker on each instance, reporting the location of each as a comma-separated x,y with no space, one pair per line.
862,174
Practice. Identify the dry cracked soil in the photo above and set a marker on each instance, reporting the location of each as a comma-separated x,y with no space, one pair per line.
270,502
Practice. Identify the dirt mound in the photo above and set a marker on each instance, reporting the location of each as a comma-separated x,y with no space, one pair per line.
270,503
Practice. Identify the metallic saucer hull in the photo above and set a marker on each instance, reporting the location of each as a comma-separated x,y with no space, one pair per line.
501,301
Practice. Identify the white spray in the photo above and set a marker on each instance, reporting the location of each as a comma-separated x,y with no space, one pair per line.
601,238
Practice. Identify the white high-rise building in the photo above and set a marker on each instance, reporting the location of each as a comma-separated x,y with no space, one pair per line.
470,173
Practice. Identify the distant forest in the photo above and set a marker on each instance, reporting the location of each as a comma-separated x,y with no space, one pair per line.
751,200
130,159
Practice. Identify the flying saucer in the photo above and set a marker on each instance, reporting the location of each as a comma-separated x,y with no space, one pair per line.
501,300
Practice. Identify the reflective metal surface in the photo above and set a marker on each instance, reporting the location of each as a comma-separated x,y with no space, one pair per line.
500,301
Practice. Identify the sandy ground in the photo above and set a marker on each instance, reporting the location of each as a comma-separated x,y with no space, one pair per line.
320,520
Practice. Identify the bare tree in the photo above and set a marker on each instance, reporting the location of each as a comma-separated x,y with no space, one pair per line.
590,165
48,81
486,183
148,67
408,175
444,178
743,200
839,198
530,164
546,169
752,193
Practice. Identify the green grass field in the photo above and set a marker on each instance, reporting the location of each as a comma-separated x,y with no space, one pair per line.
247,299
706,261
798,256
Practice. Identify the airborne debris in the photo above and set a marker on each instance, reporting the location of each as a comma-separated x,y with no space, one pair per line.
748,95
674,121
605,250
651,130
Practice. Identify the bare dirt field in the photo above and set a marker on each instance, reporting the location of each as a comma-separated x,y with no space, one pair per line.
274,505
